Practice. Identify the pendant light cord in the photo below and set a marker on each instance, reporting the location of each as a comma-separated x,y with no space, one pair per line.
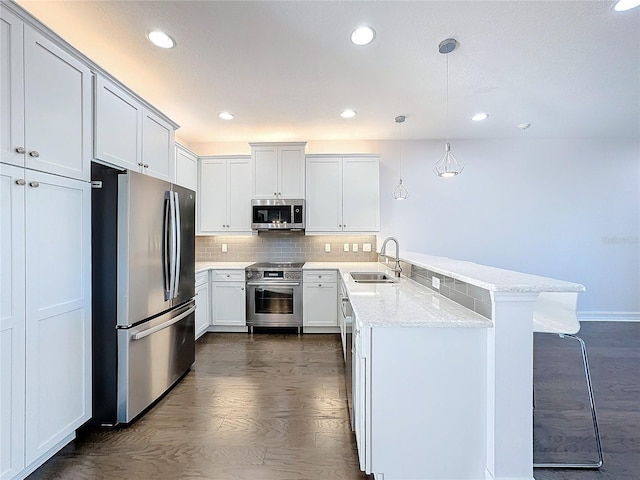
447,123
400,132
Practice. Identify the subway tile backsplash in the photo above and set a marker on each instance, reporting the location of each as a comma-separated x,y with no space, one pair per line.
284,247
469,296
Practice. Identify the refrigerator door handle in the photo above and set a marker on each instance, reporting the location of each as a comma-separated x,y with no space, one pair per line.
166,253
162,326
177,227
172,254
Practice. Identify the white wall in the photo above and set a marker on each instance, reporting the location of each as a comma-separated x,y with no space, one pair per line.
568,209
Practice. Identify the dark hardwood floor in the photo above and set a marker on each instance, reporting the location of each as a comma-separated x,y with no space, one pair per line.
269,406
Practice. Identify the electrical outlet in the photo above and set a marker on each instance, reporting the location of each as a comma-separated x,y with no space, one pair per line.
366,247
327,247
435,282
346,247
354,247
224,248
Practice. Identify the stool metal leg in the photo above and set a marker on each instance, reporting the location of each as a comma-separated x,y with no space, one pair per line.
596,431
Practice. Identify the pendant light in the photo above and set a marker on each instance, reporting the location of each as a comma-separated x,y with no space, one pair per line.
448,165
400,192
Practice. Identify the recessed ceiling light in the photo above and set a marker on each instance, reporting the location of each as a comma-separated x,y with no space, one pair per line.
478,117
348,113
363,35
226,116
624,5
161,39
523,126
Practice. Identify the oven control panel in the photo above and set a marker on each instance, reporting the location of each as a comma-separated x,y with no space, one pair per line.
293,275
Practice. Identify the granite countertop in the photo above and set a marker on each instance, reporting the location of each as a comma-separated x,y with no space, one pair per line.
202,266
402,304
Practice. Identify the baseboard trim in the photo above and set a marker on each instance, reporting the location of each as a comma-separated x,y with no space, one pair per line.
609,316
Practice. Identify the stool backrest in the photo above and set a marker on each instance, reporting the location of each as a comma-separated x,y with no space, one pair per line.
555,312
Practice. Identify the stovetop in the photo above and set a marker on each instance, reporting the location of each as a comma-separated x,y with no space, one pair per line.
276,266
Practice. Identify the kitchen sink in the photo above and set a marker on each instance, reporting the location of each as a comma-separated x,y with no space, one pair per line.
372,277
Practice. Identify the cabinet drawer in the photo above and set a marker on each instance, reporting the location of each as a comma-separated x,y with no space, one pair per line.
202,278
228,275
320,276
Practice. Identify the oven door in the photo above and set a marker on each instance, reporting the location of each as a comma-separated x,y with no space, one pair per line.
274,304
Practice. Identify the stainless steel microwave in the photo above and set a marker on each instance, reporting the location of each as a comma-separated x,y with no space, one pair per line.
281,214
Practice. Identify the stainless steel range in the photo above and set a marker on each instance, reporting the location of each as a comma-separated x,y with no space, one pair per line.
274,295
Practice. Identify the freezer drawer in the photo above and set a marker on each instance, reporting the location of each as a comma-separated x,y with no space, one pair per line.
152,356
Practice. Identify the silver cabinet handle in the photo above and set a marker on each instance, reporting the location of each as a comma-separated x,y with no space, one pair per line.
21,182
20,150
34,153
34,184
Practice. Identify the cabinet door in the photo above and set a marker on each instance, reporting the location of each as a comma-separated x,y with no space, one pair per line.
57,109
11,88
202,309
239,196
228,304
12,321
319,306
360,194
324,194
264,172
291,168
212,196
186,169
158,147
118,134
58,309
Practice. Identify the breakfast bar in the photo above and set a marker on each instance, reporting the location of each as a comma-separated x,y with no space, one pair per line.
442,388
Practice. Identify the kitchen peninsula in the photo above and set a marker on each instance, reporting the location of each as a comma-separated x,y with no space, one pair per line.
442,391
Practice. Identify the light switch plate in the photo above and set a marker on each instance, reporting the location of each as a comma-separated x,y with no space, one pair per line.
224,248
346,247
354,247
435,282
366,247
327,247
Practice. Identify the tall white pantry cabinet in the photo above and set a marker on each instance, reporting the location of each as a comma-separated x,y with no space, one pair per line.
45,239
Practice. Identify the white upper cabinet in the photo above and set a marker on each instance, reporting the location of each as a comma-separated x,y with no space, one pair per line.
118,136
277,170
343,194
129,135
224,200
46,103
186,168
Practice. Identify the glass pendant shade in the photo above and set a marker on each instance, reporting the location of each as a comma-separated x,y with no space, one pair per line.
400,193
448,165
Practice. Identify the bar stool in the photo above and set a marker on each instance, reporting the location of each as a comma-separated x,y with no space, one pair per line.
555,313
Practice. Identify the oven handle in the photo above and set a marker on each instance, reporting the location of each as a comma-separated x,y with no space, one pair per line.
273,284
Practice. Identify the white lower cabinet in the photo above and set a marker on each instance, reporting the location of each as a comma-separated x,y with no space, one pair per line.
407,381
319,305
203,305
45,324
228,310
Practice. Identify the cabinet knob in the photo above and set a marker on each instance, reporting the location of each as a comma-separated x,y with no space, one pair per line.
21,182
340,226
140,164
320,285
279,193
34,153
20,150
146,165
34,184
275,194
241,288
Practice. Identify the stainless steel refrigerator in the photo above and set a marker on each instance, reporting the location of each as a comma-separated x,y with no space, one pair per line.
143,254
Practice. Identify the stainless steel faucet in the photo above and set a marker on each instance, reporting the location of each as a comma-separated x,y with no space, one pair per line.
397,268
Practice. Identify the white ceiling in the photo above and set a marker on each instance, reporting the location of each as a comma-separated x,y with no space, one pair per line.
287,69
